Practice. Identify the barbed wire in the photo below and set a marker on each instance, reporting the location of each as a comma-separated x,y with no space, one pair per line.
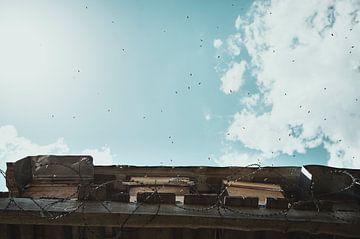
89,190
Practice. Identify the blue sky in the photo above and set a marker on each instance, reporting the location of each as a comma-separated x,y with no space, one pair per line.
181,82
161,49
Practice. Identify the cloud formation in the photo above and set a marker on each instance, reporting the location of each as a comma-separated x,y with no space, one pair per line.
14,147
232,80
217,43
306,68
233,44
238,23
231,158
250,101
102,156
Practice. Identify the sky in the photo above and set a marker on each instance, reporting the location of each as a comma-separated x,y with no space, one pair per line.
205,82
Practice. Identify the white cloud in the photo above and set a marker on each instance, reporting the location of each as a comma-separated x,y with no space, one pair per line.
250,101
234,158
238,22
306,67
101,156
266,133
14,147
232,80
234,42
217,43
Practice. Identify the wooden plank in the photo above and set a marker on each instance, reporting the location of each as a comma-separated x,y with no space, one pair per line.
178,190
251,189
253,185
262,195
179,181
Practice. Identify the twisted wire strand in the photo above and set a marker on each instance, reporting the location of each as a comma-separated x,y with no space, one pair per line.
45,210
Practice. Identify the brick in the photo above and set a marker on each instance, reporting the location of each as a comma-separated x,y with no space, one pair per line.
277,203
201,199
238,201
155,198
